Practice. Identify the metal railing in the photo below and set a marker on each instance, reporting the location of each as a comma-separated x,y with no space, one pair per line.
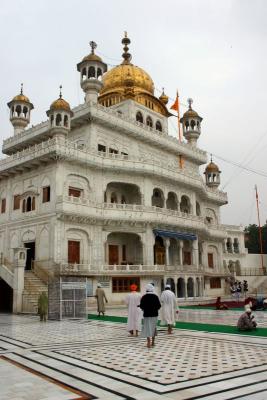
253,272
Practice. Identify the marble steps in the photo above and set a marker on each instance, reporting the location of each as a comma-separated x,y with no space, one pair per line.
33,287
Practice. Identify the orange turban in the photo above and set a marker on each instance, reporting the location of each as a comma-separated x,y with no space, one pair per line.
133,287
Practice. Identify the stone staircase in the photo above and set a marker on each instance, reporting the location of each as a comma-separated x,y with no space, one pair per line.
33,287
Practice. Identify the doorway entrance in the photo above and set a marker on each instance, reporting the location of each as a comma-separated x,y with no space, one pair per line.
113,254
6,297
30,254
159,251
73,252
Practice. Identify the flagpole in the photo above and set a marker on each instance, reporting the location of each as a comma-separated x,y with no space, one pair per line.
260,233
178,112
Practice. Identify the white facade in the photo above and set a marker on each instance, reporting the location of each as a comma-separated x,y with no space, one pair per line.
93,196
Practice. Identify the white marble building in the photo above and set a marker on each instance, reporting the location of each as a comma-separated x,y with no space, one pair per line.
103,190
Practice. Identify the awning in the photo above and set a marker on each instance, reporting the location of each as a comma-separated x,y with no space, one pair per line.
175,235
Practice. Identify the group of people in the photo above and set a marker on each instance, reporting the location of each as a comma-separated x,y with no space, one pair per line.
237,288
145,307
149,304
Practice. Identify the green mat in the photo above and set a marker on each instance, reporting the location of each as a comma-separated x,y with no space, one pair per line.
191,326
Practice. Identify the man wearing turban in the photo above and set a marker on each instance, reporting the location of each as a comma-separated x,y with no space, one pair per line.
132,301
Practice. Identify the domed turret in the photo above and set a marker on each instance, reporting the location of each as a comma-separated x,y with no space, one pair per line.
191,124
20,111
91,69
59,116
212,174
163,98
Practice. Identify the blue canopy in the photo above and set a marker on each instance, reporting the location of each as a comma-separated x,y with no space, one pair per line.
175,235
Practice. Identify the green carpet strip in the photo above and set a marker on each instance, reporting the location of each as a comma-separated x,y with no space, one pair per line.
191,326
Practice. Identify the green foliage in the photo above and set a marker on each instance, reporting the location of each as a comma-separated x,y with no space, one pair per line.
252,241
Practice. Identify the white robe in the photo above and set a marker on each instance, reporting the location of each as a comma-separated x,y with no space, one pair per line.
168,307
134,313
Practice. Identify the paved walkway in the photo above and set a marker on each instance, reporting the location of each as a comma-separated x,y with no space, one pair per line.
79,359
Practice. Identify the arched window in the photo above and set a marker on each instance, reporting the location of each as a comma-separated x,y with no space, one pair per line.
139,117
157,198
149,122
158,126
52,119
91,72
198,211
185,205
123,199
192,124
84,74
66,121
28,204
99,72
18,110
25,111
58,120
33,203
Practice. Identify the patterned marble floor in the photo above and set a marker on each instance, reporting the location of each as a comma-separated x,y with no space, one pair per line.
78,359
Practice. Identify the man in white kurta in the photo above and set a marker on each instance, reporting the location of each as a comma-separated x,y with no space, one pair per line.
168,308
134,312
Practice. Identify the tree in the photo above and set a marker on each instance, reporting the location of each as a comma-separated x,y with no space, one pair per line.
252,241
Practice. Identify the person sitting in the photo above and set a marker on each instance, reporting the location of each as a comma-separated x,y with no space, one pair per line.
219,305
246,321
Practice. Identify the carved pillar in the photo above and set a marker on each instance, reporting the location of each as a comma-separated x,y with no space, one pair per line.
20,255
195,253
181,245
185,287
167,251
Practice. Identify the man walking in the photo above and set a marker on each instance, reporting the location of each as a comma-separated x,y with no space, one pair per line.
169,306
150,305
100,297
132,300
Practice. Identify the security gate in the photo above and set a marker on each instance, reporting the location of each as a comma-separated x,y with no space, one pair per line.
67,297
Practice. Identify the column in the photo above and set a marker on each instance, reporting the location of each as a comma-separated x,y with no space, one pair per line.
149,240
181,245
167,253
195,253
20,254
185,287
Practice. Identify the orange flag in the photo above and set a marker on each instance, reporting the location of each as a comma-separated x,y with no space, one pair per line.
175,105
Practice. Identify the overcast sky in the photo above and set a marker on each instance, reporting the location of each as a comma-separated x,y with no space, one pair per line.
212,51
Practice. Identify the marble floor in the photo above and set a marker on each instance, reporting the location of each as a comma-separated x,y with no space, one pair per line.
79,359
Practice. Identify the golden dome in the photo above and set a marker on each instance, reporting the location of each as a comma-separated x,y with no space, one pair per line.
125,76
92,57
212,167
60,104
163,98
21,97
190,113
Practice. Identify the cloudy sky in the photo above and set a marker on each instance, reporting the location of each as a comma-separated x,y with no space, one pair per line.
212,51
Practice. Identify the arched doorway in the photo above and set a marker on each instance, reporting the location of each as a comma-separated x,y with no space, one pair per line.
159,251
170,281
190,287
180,287
6,297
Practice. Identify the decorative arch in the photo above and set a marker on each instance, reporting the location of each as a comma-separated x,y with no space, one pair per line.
180,287
43,249
149,121
157,199
190,287
185,205
139,117
78,181
172,201
211,216
158,126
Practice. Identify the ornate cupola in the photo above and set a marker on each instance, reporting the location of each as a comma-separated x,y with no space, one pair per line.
163,98
20,111
59,116
91,69
191,124
212,174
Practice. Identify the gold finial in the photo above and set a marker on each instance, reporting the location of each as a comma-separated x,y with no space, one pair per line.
21,88
93,46
60,91
126,56
190,101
